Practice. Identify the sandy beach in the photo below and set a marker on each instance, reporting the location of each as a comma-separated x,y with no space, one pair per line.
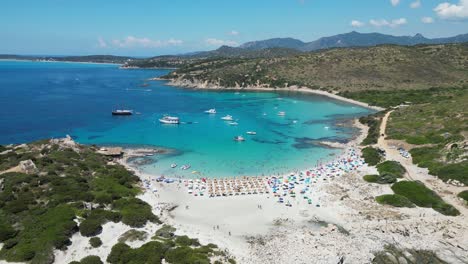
343,223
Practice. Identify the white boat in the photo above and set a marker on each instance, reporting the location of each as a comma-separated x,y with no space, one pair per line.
169,120
173,165
185,167
233,123
281,113
251,133
227,118
239,138
211,111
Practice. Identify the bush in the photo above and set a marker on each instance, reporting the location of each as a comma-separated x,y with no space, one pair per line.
117,253
381,179
420,195
371,178
464,195
186,241
95,242
394,200
10,243
135,212
186,254
391,167
371,156
133,235
90,227
166,231
6,231
91,260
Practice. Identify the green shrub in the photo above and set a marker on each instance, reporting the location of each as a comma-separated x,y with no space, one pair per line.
394,200
91,260
186,241
95,242
381,179
90,227
420,195
186,254
6,231
464,195
135,212
371,156
118,251
371,178
231,261
166,231
391,167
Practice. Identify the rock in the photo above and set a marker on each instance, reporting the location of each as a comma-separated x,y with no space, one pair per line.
402,260
28,167
391,258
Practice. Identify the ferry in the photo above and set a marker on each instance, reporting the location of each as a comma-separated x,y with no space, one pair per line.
124,112
170,120
281,113
239,138
227,118
211,111
251,133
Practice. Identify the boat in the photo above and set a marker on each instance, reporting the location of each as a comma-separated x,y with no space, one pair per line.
169,120
233,123
123,112
185,167
227,118
251,133
173,165
239,138
211,111
144,85
281,113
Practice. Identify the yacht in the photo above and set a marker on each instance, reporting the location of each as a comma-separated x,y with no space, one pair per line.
227,118
239,138
281,113
211,111
251,133
122,112
169,120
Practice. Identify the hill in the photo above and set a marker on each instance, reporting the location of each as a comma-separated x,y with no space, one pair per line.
346,69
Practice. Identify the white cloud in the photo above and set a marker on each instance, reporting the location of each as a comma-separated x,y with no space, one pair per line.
357,23
427,20
385,23
416,4
395,2
132,41
234,33
453,11
102,43
220,42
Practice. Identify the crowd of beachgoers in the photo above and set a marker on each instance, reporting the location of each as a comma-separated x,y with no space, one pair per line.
293,185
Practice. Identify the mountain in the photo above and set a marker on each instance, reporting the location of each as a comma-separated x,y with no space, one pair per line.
351,39
289,43
383,67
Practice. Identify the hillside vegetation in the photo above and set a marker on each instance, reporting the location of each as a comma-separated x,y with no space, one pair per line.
347,69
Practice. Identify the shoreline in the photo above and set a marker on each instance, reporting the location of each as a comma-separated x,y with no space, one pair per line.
80,62
207,86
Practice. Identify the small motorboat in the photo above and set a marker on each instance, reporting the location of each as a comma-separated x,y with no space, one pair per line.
251,133
211,111
185,167
169,120
281,113
122,112
239,138
233,123
227,118
173,165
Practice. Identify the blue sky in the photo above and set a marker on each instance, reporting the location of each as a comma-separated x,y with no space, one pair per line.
154,27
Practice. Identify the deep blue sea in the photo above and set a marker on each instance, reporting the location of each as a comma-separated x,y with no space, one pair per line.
42,100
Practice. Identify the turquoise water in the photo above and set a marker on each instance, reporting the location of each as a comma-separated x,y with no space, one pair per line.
54,99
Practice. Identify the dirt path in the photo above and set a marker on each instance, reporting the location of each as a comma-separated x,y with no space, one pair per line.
448,192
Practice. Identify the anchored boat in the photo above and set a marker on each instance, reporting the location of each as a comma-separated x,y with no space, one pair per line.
122,112
169,120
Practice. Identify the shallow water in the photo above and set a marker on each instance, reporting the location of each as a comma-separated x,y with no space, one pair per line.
43,100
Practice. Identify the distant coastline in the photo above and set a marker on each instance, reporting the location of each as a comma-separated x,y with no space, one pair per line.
207,86
81,62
